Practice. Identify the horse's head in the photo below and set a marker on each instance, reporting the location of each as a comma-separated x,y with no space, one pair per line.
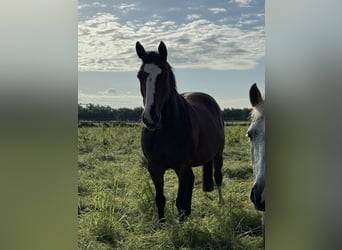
154,76
256,133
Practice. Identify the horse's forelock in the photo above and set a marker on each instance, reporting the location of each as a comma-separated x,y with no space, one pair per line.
152,57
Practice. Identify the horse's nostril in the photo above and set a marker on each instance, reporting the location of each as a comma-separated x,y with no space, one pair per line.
146,122
157,119
154,117
151,120
257,200
151,125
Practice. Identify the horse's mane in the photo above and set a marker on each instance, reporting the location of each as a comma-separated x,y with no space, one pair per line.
172,77
178,103
257,111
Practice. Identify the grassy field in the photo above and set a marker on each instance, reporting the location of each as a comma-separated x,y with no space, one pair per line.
116,197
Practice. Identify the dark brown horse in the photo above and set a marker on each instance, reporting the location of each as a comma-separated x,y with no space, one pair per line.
180,131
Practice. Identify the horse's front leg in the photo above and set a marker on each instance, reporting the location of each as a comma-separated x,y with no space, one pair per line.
186,183
157,175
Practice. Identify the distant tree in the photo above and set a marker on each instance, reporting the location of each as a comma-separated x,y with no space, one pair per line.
106,113
236,114
126,114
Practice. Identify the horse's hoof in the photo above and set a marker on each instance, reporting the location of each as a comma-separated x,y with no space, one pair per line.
183,215
183,219
162,221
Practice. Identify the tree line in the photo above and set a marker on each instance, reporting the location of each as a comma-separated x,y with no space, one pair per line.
91,112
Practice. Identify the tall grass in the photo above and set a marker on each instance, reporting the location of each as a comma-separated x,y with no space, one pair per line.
116,198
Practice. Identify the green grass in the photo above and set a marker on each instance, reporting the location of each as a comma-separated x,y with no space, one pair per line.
116,197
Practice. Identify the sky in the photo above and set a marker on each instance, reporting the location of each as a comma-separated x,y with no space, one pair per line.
216,47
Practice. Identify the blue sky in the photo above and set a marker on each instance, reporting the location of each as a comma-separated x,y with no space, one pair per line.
215,47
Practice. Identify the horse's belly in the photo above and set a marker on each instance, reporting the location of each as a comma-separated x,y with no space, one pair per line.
193,148
207,147
202,157
170,153
172,157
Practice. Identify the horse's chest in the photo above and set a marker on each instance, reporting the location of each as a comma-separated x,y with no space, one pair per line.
165,147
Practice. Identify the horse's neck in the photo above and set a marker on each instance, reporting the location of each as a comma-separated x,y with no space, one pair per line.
174,111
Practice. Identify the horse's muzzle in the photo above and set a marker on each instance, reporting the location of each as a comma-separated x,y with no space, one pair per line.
257,197
152,126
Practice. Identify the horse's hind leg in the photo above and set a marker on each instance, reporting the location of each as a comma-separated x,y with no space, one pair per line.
218,162
157,176
208,182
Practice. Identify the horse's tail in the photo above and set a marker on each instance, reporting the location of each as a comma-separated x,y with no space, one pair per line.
208,182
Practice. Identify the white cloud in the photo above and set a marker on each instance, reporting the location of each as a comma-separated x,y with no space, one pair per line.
82,6
217,10
119,101
192,17
110,91
173,9
250,19
242,3
106,45
193,8
99,4
233,103
168,23
125,8
151,23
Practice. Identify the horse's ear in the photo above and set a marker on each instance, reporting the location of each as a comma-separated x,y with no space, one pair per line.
140,51
254,95
162,51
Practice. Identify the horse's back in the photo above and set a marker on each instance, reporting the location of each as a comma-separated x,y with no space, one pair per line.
208,126
205,105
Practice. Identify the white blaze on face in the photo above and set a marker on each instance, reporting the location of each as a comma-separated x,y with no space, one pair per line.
258,149
153,71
